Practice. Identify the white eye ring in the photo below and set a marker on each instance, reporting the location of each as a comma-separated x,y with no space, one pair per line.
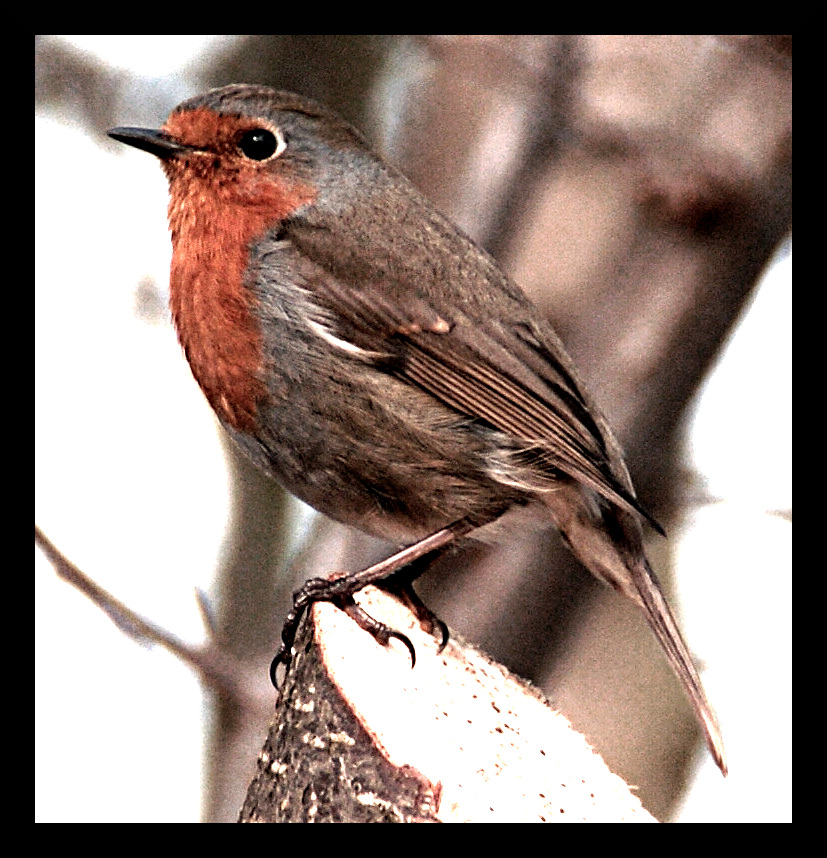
281,143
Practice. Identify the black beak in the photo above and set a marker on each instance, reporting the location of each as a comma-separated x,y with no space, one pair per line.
156,142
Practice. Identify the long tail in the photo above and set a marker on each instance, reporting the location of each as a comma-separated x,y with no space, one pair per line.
609,542
659,616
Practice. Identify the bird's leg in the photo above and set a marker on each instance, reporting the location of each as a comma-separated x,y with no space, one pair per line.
340,592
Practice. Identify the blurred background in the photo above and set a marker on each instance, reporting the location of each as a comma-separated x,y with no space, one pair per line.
639,188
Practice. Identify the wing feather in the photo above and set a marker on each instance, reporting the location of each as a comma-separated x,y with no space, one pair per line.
512,374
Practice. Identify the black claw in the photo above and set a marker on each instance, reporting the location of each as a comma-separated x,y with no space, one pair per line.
282,657
380,632
407,642
446,635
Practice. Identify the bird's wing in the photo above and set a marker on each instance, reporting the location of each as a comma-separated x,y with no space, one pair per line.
510,375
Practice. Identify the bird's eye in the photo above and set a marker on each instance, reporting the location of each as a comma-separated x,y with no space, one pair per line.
261,144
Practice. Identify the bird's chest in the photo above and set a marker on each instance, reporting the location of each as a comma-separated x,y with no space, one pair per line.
214,316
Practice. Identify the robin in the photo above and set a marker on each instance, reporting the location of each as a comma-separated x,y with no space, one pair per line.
371,358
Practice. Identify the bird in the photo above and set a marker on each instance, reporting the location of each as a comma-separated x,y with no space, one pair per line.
365,353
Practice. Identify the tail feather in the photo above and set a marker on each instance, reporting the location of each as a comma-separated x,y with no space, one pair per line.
609,542
662,622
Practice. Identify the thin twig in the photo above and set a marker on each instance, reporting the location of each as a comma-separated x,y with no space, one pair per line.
219,670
